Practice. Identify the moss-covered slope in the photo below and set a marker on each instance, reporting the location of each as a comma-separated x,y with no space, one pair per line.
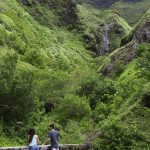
117,61
140,32
101,29
125,8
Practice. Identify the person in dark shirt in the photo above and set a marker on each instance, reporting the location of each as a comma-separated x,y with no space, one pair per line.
53,136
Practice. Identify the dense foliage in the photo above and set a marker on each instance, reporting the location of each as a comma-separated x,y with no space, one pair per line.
48,75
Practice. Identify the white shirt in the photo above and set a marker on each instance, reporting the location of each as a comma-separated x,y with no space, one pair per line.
33,142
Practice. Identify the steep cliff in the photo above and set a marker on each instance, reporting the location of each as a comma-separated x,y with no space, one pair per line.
91,24
124,55
102,30
141,31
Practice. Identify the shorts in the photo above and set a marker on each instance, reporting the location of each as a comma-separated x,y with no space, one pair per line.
33,147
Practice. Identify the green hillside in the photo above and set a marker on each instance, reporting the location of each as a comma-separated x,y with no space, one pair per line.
131,10
61,63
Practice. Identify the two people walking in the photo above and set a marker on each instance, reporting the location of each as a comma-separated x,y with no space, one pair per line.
53,139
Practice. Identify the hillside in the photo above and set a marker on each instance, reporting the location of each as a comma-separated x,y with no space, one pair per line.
125,8
107,3
82,68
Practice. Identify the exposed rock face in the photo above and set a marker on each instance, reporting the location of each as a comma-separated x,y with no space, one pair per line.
119,59
106,37
124,55
141,32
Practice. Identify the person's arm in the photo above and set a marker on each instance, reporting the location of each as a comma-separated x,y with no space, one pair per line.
47,141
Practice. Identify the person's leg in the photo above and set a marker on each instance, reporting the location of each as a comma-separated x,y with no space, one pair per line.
37,147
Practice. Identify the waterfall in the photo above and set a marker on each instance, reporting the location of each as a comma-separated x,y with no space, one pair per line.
105,39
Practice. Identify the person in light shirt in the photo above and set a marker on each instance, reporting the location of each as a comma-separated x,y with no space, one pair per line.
33,140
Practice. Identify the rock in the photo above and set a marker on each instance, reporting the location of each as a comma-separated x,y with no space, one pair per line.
121,57
118,60
141,32
106,37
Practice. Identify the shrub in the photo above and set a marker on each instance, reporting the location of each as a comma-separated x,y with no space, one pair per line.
73,107
97,90
143,51
117,135
70,136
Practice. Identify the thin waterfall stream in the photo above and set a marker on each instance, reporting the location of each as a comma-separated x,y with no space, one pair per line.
105,39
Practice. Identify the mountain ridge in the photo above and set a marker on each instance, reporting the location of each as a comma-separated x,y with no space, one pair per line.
107,3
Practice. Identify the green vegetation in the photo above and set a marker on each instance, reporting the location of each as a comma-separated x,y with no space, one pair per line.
131,35
127,10
131,10
93,24
49,59
127,126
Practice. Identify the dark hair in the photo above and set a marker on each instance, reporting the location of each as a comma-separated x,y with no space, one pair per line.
57,129
31,133
52,126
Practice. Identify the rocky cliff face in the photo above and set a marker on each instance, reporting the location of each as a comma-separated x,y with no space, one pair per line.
96,38
118,60
121,57
106,37
141,32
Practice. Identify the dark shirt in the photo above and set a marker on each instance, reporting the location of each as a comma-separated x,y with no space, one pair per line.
53,135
